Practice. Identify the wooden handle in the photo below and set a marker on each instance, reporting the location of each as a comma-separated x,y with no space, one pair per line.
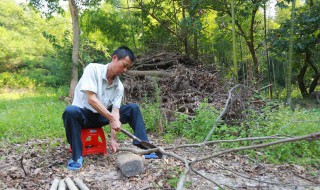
130,135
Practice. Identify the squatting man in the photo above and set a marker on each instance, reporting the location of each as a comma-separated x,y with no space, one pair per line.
97,102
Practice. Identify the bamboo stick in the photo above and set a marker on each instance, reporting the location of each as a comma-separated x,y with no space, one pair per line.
55,183
70,184
62,185
80,184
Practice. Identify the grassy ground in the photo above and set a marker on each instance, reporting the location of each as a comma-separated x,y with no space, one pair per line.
26,114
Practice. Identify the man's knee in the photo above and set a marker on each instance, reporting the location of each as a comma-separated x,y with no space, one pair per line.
134,107
71,111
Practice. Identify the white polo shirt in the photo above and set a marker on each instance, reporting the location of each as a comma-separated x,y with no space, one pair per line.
94,79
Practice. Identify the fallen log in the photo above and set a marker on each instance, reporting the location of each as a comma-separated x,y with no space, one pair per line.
152,73
151,64
130,164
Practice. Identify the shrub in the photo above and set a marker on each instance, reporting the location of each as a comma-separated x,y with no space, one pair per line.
13,80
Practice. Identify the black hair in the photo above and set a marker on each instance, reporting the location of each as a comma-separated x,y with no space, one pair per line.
122,52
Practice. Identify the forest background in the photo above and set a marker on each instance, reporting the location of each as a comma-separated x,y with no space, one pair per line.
44,46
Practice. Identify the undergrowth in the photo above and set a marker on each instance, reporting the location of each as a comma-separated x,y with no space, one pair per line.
271,120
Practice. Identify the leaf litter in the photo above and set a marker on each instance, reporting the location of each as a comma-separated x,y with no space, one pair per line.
35,164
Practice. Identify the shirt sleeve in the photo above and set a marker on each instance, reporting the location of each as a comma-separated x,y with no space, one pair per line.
89,79
118,97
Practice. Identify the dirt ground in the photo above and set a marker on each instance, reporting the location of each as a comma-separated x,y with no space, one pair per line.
35,164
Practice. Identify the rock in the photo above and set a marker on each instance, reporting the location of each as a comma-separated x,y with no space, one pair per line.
130,164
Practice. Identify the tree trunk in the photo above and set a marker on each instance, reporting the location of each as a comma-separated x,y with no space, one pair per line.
316,78
234,55
251,46
250,43
185,36
311,3
266,47
255,68
303,70
195,45
75,48
289,72
131,28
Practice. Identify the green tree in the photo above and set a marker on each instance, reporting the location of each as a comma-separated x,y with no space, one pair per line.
306,48
247,24
175,23
20,40
53,6
107,27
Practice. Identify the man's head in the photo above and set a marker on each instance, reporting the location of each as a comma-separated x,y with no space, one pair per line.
123,52
122,60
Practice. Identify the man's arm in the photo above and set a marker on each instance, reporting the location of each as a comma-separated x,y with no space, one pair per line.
114,145
113,118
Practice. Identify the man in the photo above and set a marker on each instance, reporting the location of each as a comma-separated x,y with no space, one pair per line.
97,102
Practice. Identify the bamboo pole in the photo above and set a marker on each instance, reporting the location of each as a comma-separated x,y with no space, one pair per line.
62,185
55,184
80,184
70,184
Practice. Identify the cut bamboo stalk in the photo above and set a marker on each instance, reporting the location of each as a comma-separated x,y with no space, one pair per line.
55,184
80,184
70,184
62,185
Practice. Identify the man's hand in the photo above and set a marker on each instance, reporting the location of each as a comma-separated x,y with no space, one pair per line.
114,145
115,125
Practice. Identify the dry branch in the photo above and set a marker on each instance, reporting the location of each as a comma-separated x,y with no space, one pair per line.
224,141
21,163
309,137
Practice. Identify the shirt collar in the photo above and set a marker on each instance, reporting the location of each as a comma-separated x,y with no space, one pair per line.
104,76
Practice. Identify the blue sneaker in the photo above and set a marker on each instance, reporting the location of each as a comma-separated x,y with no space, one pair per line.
72,165
151,156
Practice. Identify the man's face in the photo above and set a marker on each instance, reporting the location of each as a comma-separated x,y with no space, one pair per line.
122,65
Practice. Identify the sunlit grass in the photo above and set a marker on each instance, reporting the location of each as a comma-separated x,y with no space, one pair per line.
27,114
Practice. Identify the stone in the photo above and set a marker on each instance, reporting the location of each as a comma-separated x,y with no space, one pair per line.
130,164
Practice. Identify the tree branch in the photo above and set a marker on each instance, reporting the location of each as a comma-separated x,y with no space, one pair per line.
310,137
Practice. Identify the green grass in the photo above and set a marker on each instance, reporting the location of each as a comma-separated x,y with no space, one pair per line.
27,114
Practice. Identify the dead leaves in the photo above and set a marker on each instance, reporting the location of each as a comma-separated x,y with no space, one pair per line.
44,162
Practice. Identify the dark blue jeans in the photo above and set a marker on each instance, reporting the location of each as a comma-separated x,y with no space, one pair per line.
75,119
